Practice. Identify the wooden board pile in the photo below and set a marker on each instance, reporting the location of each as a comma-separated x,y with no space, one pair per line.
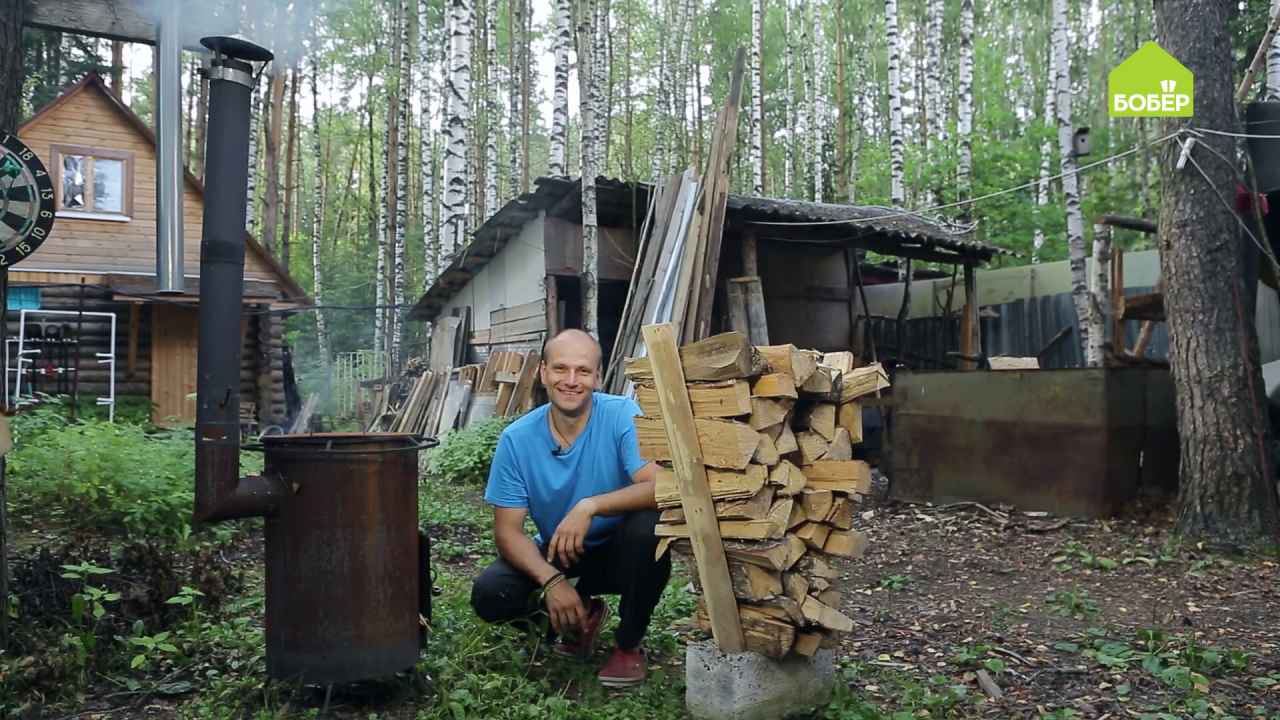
432,402
777,426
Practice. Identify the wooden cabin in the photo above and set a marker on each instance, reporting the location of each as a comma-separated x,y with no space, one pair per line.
101,257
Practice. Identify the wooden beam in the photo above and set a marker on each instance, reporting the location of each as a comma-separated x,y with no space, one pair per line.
695,493
115,19
135,323
970,327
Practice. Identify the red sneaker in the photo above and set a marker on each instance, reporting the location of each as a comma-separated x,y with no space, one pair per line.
625,668
584,644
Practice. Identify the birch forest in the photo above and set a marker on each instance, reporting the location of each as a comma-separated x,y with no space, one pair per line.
402,125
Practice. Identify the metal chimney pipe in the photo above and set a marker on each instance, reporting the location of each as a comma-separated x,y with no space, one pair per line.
169,169
221,493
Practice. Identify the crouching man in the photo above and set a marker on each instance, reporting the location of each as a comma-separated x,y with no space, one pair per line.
574,466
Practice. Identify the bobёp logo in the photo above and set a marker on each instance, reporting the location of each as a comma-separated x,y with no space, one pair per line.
1150,83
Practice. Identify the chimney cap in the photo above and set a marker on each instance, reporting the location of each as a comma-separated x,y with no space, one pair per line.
237,47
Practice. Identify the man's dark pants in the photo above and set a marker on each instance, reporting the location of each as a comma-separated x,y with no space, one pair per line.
623,565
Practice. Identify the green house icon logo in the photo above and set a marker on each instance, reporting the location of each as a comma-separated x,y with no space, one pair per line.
1150,83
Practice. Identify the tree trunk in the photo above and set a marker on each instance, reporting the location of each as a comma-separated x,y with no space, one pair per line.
791,108
381,328
402,189
430,242
964,110
251,195
271,201
662,96
117,68
202,127
818,102
897,193
588,99
1099,296
290,167
526,84
1226,490
1273,62
934,118
757,97
317,223
1070,183
843,181
561,40
1046,167
515,28
454,221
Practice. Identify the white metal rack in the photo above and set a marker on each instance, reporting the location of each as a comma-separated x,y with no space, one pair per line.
26,356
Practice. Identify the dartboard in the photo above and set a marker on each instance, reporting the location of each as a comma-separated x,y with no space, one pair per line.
26,201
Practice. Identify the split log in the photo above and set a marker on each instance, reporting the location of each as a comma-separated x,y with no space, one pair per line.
818,613
726,356
781,608
797,517
724,484
829,597
847,477
849,417
845,543
788,360
725,444
766,451
814,534
817,504
788,478
751,582
733,529
729,398
840,515
821,382
774,385
768,411
756,507
795,586
843,361
813,447
812,565
773,554
841,447
807,643
862,381
761,634
820,418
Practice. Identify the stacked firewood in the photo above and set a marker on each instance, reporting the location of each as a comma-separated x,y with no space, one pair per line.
777,426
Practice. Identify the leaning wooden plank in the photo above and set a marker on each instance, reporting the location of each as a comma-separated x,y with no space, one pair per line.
728,398
695,491
725,484
523,391
824,616
727,356
845,543
841,476
725,444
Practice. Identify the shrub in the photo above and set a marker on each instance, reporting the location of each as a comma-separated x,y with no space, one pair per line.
464,456
110,476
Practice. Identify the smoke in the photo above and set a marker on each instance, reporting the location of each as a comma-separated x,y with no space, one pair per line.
285,27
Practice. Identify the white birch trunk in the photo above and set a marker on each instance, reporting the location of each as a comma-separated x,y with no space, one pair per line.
430,242
1273,62
561,41
600,84
493,109
897,193
317,224
817,102
1099,296
683,76
792,107
964,109
588,102
1046,164
251,196
454,220
933,100
1070,183
757,97
380,325
402,188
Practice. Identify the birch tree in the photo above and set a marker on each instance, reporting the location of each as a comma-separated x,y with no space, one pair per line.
458,83
317,222
964,108
1070,183
897,192
1046,166
381,204
588,103
791,109
1272,93
251,194
515,28
426,150
817,101
934,103
275,129
493,109
757,98
561,40
402,185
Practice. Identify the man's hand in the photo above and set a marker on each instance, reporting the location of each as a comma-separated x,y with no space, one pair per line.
568,542
565,607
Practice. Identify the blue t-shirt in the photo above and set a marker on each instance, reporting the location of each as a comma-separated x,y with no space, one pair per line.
529,472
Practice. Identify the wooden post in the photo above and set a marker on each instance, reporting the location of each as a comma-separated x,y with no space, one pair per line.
553,305
750,258
903,311
135,323
695,493
1118,344
970,327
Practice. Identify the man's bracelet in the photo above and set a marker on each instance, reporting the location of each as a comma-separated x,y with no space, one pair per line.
552,582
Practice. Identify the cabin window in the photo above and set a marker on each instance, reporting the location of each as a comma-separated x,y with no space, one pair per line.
93,183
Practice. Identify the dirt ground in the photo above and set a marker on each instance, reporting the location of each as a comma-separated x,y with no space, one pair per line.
1063,615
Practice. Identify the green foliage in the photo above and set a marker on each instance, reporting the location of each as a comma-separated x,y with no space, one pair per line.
464,456
895,582
1074,551
1072,603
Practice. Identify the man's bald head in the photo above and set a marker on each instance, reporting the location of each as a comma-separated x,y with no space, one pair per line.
571,341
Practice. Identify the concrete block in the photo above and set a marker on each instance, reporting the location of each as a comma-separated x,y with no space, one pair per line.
750,686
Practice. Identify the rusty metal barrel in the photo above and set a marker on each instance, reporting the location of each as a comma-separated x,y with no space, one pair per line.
342,557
